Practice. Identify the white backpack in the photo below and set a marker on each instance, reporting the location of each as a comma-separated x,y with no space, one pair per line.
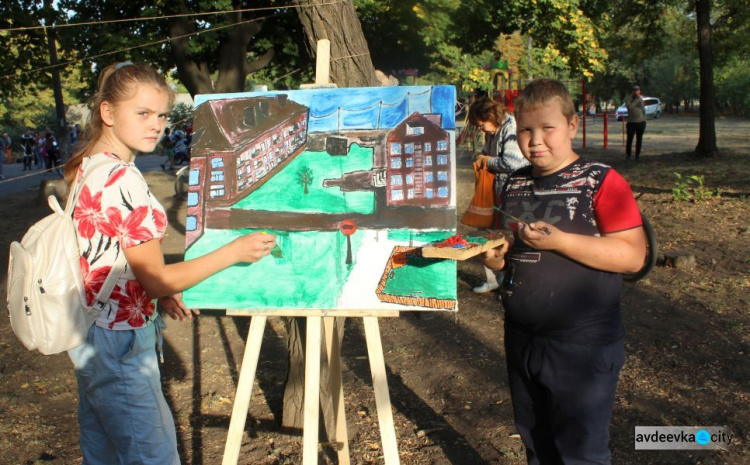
46,294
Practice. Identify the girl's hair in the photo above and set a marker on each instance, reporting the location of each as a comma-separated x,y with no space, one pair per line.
117,82
486,109
540,92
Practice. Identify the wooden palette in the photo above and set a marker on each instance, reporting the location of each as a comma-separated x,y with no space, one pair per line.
463,248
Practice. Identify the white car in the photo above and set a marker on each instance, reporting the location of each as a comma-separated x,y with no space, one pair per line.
652,104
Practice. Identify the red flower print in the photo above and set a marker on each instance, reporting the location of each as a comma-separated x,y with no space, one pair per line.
94,280
160,220
88,212
115,175
128,231
135,306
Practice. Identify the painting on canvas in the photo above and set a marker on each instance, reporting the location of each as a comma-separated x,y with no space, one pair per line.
351,181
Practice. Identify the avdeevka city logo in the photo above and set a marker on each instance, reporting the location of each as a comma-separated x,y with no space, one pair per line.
703,437
682,437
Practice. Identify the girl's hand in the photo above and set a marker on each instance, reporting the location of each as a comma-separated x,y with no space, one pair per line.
481,160
252,247
174,307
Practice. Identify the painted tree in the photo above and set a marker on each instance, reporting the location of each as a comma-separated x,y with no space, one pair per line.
305,177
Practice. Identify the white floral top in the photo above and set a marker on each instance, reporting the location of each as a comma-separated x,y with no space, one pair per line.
115,210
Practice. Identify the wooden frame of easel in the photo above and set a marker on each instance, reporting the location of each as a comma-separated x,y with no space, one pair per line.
318,321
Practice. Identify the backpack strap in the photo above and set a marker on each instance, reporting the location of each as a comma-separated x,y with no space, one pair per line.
102,298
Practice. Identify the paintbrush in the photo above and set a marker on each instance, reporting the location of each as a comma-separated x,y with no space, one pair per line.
544,231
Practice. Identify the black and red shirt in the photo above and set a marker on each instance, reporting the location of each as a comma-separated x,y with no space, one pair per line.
547,293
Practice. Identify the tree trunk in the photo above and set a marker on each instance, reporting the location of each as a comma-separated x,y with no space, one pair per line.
292,418
707,136
351,64
233,66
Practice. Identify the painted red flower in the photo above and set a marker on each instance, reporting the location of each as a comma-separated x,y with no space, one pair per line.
128,231
88,212
135,306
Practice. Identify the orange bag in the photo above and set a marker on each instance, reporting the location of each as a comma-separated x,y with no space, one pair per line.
480,211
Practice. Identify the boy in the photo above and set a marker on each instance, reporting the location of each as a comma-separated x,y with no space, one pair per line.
563,331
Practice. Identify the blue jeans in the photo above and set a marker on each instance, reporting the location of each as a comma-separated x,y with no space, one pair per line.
122,411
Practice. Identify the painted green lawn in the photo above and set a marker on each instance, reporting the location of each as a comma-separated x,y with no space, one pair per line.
284,193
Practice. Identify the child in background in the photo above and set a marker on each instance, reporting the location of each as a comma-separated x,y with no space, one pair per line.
122,412
500,155
561,293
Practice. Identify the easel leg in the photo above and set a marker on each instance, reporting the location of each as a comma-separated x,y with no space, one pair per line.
244,390
312,391
337,389
380,385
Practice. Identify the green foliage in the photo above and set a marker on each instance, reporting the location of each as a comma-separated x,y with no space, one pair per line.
690,188
305,177
181,115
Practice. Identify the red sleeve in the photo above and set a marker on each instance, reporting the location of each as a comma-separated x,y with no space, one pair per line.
614,205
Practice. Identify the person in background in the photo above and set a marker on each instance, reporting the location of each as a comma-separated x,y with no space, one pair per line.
167,148
636,124
500,155
28,143
563,328
2,157
123,415
7,147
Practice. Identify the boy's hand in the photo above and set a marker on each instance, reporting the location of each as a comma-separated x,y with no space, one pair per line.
174,307
540,235
494,259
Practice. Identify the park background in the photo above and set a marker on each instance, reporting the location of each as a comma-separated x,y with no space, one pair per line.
687,340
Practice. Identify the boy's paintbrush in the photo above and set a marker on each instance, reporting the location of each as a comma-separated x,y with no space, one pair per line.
545,230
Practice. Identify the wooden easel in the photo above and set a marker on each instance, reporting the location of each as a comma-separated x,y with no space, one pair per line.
317,321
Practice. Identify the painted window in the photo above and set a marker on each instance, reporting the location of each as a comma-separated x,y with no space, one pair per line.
442,145
428,160
217,191
429,193
395,148
409,180
442,175
192,199
442,159
428,176
397,194
409,162
410,194
443,192
217,175
194,177
427,147
217,163
409,148
396,180
414,130
191,223
395,162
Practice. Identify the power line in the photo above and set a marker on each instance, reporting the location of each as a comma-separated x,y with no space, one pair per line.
152,18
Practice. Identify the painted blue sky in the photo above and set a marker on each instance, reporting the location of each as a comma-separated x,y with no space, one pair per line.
333,109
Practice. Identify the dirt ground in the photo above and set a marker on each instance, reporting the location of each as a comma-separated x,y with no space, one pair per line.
687,341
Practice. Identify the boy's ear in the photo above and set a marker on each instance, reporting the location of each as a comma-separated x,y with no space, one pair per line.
573,126
107,112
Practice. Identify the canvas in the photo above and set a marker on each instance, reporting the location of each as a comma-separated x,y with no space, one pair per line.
351,181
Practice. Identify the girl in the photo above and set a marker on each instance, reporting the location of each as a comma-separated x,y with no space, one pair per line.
500,154
122,412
